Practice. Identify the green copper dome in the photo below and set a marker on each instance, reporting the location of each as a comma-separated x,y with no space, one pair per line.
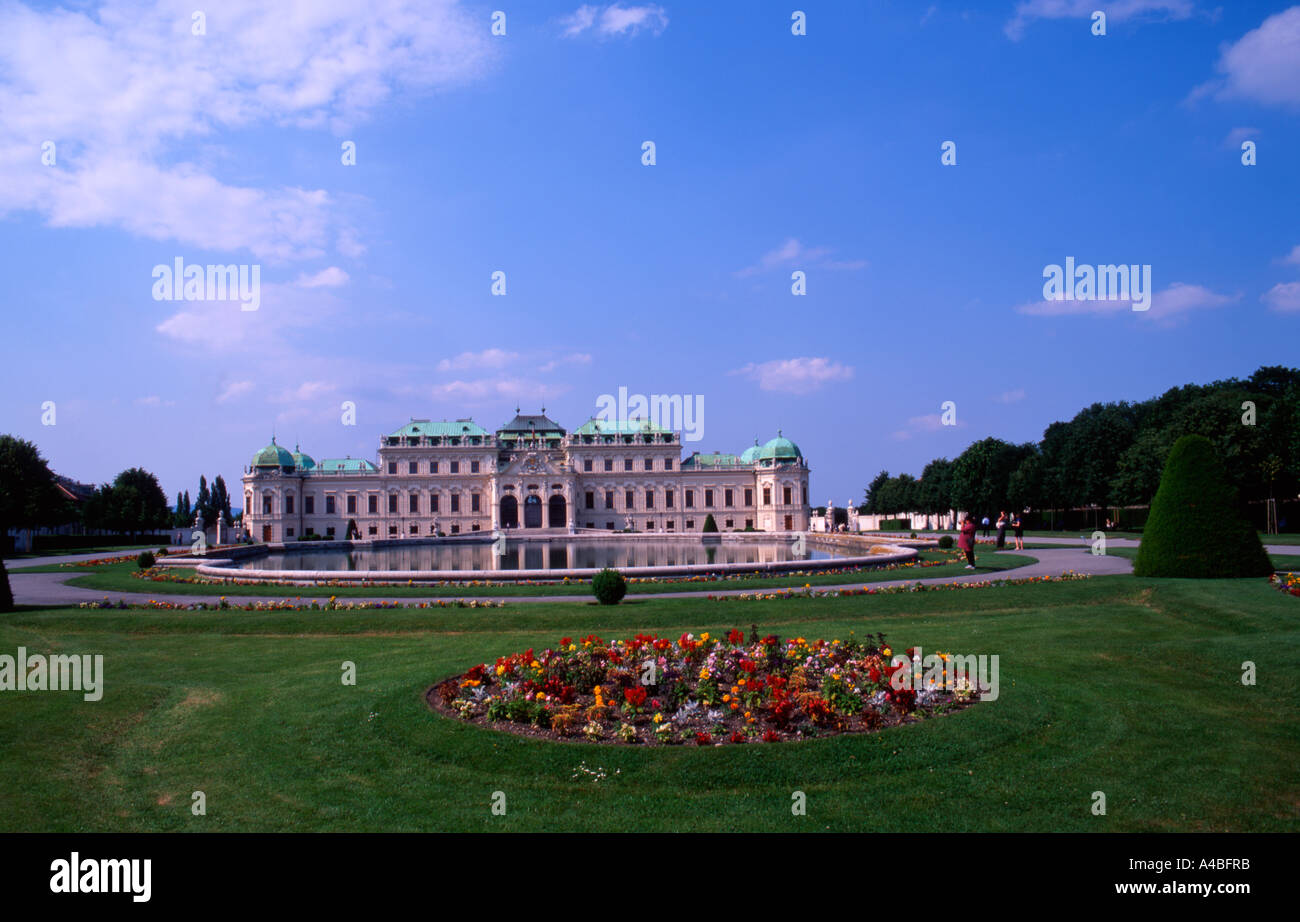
780,449
274,456
750,454
302,461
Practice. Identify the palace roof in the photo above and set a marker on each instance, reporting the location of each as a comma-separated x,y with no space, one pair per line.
438,428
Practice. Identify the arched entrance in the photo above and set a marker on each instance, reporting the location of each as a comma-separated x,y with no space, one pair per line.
509,512
533,512
555,512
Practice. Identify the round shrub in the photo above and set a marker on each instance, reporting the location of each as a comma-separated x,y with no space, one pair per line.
608,586
945,542
1195,528
145,560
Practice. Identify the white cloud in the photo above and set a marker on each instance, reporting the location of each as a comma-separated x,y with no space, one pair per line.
153,400
1283,297
615,20
1293,258
575,358
1013,396
1237,135
795,376
489,389
792,253
1264,64
234,390
919,425
326,278
488,358
1116,11
132,86
1178,298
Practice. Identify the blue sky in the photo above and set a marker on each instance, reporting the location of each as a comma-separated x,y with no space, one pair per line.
522,153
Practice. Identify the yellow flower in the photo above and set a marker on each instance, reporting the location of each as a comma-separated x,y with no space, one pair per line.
704,637
659,718
886,651
742,681
704,672
726,697
501,670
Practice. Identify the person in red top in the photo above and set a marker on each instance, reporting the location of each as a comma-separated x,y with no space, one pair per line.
967,541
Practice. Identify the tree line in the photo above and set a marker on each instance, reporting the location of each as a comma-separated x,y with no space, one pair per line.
1112,454
132,504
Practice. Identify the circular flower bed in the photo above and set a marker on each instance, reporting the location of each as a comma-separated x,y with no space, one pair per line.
699,690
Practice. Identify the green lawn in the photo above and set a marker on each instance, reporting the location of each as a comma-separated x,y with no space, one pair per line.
1131,687
111,549
118,578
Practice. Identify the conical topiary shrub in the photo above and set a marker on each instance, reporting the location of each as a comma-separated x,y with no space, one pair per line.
6,596
1195,528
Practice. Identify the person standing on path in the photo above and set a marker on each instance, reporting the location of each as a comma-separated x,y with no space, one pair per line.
1002,530
967,541
1018,525
986,526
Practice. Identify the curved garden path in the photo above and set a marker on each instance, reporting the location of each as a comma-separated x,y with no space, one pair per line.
52,588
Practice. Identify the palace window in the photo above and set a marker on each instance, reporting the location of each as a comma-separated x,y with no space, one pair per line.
392,502
586,465
455,502
670,524
329,504
591,500
352,505
414,529
726,498
309,505
455,467
708,499
288,504
749,523
473,467
609,525
433,502
433,467
266,505
413,467
455,529
392,467
609,499
649,464
473,502
414,502
649,499
373,505
749,496
373,530
629,499
310,531
690,523
609,465
668,464
785,496
288,532
690,499
767,496
392,531
730,523
668,499
627,464
329,532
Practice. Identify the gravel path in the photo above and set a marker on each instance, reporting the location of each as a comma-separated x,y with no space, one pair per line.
51,588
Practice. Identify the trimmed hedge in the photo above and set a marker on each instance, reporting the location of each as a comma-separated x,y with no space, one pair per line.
145,560
945,542
709,524
608,586
1195,528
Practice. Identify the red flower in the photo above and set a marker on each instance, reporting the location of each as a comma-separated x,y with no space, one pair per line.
703,738
634,696
736,637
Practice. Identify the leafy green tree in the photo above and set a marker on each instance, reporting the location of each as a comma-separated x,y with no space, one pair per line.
982,473
1196,528
934,489
29,494
135,503
219,502
203,504
1025,485
871,506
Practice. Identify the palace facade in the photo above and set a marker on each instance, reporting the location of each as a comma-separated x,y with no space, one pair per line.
456,477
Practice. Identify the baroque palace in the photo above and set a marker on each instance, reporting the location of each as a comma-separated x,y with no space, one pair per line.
453,478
